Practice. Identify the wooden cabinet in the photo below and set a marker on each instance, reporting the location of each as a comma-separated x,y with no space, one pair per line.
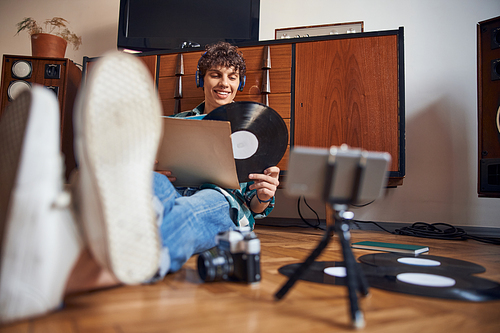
329,90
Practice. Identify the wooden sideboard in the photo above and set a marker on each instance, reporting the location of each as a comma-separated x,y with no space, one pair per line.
329,90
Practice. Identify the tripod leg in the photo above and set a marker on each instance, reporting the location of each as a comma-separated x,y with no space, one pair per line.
305,265
353,274
345,235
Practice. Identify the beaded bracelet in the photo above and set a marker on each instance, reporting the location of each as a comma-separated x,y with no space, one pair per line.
263,201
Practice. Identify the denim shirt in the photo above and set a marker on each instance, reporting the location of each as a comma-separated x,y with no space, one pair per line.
239,200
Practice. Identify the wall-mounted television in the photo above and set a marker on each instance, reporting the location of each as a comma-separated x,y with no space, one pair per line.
153,25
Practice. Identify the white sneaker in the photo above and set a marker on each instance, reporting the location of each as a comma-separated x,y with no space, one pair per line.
39,240
117,133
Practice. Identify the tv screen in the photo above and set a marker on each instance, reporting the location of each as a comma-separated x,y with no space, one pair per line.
149,25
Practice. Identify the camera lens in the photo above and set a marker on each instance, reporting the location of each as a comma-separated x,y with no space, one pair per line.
215,265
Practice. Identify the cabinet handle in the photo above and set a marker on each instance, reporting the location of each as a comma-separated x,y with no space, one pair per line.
179,65
266,83
179,72
266,60
178,87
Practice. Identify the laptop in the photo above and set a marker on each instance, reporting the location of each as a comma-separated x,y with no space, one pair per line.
198,152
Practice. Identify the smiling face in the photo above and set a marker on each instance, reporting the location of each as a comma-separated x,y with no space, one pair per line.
220,87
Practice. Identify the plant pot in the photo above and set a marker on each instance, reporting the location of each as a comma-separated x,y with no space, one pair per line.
47,45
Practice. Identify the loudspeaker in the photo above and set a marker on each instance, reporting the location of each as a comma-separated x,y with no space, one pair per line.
488,70
60,75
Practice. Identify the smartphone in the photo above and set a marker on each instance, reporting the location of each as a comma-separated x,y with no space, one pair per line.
337,175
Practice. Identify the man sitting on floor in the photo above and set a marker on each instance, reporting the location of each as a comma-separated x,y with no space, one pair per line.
120,222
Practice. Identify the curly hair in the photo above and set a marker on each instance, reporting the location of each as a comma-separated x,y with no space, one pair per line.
222,54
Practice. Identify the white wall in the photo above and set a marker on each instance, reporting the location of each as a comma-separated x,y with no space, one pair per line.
95,20
441,102
441,96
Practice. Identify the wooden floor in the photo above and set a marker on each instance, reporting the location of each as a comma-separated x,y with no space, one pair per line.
182,303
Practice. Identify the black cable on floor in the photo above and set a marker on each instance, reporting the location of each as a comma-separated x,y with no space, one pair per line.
436,231
317,225
375,223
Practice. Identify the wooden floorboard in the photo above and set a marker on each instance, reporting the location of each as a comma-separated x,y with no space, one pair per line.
182,303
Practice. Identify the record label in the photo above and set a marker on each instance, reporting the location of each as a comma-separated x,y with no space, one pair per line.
336,271
245,144
419,262
426,280
259,135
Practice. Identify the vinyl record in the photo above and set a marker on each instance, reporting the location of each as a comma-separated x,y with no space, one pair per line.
316,272
422,263
326,272
424,282
259,136
441,284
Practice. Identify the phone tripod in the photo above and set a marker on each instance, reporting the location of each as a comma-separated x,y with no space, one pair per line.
355,278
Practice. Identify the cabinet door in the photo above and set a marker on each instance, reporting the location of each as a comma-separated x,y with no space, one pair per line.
346,91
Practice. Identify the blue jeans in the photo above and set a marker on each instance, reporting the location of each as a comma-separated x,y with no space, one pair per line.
190,221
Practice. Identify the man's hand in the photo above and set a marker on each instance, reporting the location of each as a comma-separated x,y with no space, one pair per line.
165,173
266,184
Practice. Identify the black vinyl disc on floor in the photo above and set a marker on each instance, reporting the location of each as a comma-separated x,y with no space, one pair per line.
259,136
316,273
454,286
450,285
404,260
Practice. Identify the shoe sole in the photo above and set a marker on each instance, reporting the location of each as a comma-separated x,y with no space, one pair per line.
12,128
40,243
118,138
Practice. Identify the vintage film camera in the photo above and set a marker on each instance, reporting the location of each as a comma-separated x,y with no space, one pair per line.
236,258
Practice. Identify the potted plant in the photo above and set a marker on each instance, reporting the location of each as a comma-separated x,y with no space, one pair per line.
51,39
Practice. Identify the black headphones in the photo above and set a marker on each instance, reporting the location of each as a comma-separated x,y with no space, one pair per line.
199,77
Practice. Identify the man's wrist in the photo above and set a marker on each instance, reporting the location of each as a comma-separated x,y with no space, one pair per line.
263,201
